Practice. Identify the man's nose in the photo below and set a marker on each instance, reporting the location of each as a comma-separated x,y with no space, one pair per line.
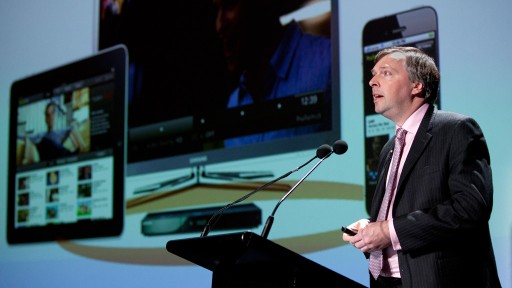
373,82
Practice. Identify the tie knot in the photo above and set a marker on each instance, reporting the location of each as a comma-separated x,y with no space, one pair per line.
400,134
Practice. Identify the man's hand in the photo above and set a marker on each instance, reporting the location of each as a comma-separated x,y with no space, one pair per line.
370,237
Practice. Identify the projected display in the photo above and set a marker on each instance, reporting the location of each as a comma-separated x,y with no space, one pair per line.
66,171
43,34
210,88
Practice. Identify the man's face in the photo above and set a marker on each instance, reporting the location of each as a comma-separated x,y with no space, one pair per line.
229,27
49,116
391,88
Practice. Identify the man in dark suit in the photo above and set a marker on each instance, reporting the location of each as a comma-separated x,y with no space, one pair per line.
433,231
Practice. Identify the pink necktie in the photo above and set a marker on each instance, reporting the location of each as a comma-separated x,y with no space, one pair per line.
376,257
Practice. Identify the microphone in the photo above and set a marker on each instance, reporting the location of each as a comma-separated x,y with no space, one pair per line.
339,147
321,152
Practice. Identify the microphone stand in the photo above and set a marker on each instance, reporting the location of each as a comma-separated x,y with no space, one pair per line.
270,219
322,152
217,214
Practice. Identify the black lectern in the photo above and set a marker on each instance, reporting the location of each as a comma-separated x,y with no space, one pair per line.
246,259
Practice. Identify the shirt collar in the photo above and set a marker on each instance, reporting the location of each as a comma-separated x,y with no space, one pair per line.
412,123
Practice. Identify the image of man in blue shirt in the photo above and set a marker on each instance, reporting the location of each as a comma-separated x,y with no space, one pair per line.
272,60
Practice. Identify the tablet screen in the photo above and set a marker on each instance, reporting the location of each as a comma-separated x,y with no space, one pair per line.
66,150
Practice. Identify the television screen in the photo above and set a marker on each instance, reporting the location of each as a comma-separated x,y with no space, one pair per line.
214,80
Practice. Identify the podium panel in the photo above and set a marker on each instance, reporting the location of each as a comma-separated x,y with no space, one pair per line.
245,259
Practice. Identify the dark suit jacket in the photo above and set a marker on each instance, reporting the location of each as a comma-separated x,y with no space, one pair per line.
443,204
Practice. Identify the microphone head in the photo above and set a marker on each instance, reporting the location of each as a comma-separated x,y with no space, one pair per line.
323,151
340,147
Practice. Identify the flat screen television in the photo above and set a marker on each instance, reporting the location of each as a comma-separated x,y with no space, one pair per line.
199,93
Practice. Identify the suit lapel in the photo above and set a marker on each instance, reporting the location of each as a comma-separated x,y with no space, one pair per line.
419,144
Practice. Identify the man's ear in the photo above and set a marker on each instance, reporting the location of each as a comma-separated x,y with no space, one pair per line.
417,89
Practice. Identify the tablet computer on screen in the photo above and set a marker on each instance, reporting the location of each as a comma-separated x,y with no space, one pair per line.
67,150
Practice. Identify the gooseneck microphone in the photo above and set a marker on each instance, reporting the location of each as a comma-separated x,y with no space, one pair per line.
339,148
321,152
